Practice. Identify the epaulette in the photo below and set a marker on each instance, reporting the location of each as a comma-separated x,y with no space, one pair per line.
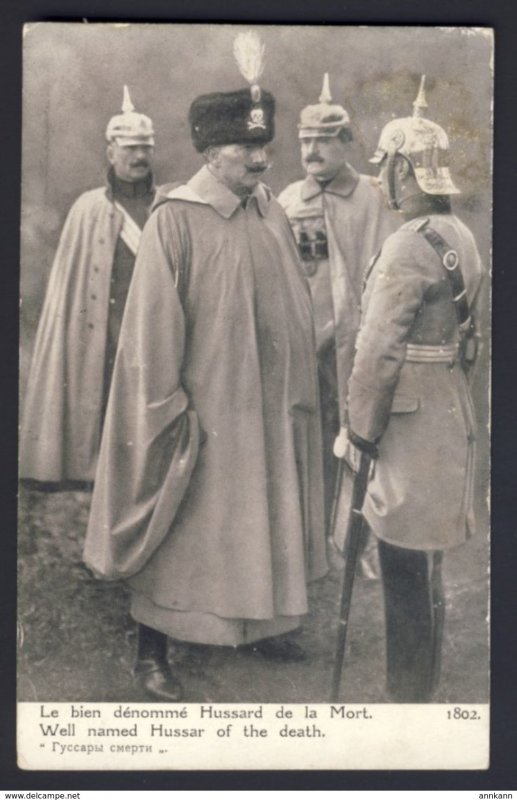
413,225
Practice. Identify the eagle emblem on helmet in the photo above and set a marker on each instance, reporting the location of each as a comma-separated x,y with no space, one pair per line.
397,139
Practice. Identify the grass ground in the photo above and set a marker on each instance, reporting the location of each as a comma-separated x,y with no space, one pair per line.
76,638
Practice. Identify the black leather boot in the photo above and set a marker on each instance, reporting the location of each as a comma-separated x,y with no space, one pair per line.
279,648
152,671
414,611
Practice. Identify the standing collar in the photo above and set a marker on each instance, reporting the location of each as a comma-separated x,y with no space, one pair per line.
116,186
342,184
216,194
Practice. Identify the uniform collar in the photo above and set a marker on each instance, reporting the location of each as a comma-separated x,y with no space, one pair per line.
343,184
422,204
221,198
117,187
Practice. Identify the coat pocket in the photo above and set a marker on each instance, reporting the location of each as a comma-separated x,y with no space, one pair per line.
404,403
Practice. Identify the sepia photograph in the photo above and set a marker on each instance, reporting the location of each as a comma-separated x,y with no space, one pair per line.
255,340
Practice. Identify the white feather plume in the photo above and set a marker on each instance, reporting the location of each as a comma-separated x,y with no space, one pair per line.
249,54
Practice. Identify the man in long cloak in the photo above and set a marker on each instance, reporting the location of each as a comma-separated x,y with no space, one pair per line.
77,334
208,494
340,221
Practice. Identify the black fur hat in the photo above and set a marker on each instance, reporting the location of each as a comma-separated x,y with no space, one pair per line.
232,118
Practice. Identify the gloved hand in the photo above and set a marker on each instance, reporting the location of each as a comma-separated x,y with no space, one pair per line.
343,448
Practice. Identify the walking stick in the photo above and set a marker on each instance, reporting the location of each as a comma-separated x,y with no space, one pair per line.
335,500
353,539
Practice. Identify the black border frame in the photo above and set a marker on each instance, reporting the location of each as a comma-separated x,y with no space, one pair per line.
500,15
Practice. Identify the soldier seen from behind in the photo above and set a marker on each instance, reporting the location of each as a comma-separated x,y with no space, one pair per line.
409,403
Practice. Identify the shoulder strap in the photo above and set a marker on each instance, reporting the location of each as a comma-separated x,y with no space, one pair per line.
130,232
451,263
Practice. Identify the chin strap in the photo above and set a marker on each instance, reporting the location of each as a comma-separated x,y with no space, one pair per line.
392,198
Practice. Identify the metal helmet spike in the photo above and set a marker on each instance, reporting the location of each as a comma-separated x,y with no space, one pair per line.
325,96
424,144
130,127
420,104
127,105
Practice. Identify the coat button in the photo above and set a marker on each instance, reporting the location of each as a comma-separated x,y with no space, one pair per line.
96,269
112,300
94,297
101,241
90,324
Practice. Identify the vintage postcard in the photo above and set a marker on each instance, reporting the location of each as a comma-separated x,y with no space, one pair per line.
254,397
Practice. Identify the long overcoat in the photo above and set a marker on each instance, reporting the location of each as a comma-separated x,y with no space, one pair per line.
208,493
351,211
60,431
420,496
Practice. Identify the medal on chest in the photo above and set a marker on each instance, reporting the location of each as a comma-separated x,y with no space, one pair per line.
311,237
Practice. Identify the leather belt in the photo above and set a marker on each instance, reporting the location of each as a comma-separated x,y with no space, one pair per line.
428,353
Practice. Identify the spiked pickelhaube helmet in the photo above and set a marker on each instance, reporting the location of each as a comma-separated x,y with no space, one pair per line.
130,127
424,144
324,119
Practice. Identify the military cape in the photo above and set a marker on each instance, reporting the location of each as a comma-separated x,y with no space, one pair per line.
208,493
62,419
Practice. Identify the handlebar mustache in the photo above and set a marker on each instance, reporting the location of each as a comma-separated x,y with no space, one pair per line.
258,168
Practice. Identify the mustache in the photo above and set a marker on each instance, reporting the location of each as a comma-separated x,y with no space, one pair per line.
258,169
142,162
314,159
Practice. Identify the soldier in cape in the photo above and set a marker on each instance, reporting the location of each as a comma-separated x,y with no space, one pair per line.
208,495
339,220
409,403
77,334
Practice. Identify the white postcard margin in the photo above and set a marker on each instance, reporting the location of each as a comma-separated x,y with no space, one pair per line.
207,736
